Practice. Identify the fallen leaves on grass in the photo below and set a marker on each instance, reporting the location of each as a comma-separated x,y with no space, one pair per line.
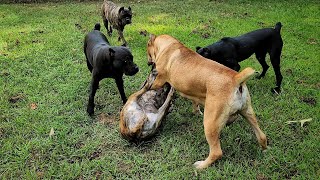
312,41
51,132
79,27
104,119
16,98
4,72
202,30
40,174
1,132
300,121
143,32
33,106
95,155
309,100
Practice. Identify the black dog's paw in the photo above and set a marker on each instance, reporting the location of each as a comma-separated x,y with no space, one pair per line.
90,110
276,90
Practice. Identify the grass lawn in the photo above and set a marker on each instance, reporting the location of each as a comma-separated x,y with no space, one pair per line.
44,84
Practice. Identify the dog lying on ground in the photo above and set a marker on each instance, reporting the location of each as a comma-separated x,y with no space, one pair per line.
105,61
117,16
221,90
229,51
144,111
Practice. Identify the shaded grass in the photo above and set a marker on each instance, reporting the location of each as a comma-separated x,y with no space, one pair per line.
42,63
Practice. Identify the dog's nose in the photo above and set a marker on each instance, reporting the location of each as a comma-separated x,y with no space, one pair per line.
136,69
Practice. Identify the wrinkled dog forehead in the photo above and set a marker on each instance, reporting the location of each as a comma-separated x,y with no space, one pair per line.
126,13
123,52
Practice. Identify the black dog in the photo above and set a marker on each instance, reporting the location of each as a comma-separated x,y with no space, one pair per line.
229,51
105,61
117,16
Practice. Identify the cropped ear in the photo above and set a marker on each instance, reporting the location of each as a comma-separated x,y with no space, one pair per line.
226,39
198,47
121,9
206,49
111,53
129,8
152,38
231,40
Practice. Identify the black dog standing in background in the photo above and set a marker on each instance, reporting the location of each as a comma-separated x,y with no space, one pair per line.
229,51
105,61
117,16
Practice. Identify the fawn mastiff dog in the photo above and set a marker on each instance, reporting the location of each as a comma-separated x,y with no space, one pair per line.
221,90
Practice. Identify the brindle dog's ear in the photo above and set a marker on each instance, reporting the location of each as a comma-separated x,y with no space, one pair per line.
198,47
111,53
121,9
129,8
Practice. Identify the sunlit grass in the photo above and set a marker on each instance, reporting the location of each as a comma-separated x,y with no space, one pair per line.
42,63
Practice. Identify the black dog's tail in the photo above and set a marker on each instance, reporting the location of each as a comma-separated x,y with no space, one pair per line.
97,27
278,26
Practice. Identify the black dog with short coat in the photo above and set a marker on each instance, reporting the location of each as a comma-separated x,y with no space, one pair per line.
230,51
105,61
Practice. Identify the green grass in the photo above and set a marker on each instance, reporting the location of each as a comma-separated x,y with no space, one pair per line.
42,64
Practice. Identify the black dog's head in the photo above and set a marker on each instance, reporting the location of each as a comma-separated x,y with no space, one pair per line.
223,52
122,60
125,15
205,52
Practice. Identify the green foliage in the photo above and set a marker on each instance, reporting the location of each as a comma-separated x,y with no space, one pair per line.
44,84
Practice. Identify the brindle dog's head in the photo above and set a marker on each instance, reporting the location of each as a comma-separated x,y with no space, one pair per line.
125,15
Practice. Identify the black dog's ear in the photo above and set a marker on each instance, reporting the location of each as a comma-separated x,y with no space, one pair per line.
226,39
232,41
206,49
129,8
111,52
198,47
121,9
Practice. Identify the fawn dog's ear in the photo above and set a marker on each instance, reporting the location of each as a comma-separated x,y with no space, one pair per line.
152,37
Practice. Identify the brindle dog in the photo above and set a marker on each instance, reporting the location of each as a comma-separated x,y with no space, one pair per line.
117,16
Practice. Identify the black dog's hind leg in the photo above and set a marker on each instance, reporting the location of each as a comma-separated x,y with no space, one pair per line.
119,82
275,60
261,56
89,66
85,53
93,89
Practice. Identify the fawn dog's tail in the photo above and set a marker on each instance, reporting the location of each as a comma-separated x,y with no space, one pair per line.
244,75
